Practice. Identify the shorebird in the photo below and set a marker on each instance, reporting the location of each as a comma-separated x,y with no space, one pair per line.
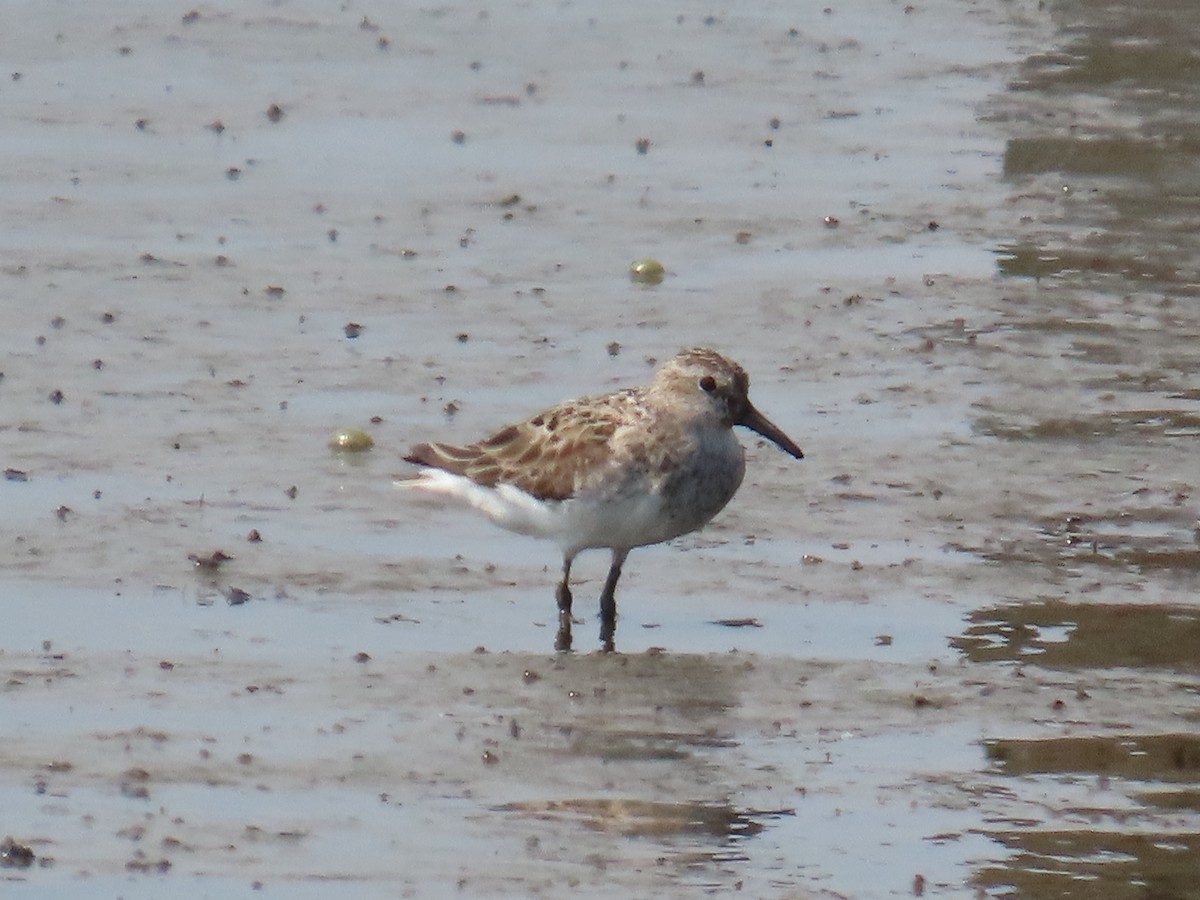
617,471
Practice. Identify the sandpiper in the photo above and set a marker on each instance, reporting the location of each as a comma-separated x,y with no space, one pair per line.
618,471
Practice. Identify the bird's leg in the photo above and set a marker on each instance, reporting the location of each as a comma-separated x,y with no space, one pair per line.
608,602
563,596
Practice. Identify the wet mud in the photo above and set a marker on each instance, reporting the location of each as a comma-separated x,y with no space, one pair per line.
250,256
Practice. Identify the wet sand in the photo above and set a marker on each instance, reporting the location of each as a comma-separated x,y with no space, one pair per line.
952,245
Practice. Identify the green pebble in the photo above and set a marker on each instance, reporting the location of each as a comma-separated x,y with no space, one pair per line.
647,271
351,440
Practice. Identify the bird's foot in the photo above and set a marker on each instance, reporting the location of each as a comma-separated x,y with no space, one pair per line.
608,634
562,641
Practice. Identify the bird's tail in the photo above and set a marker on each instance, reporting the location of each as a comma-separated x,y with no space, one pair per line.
506,505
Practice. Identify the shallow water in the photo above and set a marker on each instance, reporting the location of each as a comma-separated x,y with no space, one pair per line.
963,658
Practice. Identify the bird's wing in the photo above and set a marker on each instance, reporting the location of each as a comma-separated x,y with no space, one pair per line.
548,456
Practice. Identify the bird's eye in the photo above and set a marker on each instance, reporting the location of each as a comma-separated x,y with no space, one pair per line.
708,384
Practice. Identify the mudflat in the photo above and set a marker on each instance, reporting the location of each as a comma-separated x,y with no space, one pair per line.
951,650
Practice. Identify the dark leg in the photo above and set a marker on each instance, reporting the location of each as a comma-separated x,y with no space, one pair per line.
608,602
563,596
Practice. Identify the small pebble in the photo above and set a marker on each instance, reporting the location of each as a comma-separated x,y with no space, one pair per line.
351,440
647,271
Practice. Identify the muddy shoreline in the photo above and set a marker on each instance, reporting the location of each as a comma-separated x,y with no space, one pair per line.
970,664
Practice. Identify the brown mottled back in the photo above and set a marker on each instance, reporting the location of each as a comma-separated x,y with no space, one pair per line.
567,442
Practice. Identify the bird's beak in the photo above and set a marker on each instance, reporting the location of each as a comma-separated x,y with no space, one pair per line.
757,422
